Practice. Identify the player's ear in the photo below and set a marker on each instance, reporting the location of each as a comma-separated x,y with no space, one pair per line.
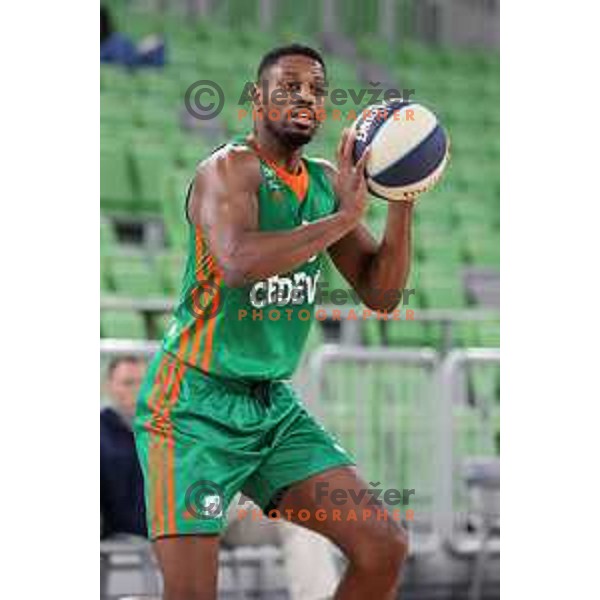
257,96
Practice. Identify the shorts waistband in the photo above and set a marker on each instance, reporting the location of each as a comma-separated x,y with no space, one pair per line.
259,388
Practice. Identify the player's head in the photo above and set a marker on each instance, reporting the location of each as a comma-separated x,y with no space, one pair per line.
123,380
294,78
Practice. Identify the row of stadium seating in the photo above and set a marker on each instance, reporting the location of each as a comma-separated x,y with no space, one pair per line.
147,161
435,274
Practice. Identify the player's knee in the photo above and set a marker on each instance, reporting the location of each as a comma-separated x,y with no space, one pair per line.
186,590
382,553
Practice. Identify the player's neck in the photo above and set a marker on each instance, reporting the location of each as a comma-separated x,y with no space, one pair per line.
274,151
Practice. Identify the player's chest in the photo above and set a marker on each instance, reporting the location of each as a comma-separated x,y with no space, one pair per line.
279,208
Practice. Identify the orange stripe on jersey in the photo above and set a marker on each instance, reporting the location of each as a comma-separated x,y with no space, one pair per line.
198,327
159,456
152,439
202,274
171,526
183,344
208,345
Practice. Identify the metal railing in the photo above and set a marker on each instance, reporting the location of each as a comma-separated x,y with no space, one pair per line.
468,431
381,404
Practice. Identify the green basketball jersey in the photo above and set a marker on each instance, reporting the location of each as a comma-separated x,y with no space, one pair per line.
256,331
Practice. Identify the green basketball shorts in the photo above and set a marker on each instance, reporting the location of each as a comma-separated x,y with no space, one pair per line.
201,439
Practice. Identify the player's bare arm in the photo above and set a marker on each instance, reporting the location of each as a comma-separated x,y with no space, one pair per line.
224,204
378,272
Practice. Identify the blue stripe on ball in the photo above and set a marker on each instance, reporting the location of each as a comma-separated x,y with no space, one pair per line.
373,127
420,162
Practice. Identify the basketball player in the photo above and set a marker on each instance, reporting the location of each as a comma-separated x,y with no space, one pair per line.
216,414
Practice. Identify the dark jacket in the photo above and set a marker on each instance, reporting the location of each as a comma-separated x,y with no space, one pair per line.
121,483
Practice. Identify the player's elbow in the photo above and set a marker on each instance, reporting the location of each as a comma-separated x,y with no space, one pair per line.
233,276
383,301
231,265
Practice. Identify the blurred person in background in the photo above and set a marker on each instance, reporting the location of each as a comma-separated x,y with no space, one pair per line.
121,484
118,48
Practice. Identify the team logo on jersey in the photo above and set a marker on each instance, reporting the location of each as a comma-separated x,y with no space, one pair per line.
280,290
272,182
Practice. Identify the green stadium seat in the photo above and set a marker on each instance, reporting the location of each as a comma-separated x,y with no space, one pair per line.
105,277
160,324
466,334
484,384
116,110
488,333
156,115
133,276
483,252
161,84
176,229
171,266
151,167
407,333
446,251
122,324
116,79
442,289
107,235
372,332
470,437
116,187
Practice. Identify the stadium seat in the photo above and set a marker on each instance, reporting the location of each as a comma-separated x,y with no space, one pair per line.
107,235
469,436
116,110
170,267
122,324
484,385
160,324
156,114
116,79
116,189
406,333
106,285
488,333
151,165
133,276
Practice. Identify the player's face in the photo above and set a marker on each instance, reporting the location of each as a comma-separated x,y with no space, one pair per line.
295,86
124,385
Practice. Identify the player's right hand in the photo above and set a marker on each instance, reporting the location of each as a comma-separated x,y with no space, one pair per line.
350,184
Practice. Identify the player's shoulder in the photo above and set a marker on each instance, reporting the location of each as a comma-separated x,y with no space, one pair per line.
231,162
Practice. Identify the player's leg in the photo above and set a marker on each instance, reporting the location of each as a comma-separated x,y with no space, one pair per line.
376,547
195,453
189,565
303,455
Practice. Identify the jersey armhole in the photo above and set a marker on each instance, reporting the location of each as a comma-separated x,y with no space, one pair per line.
188,195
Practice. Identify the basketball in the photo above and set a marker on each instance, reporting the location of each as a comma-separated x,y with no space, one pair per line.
409,149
